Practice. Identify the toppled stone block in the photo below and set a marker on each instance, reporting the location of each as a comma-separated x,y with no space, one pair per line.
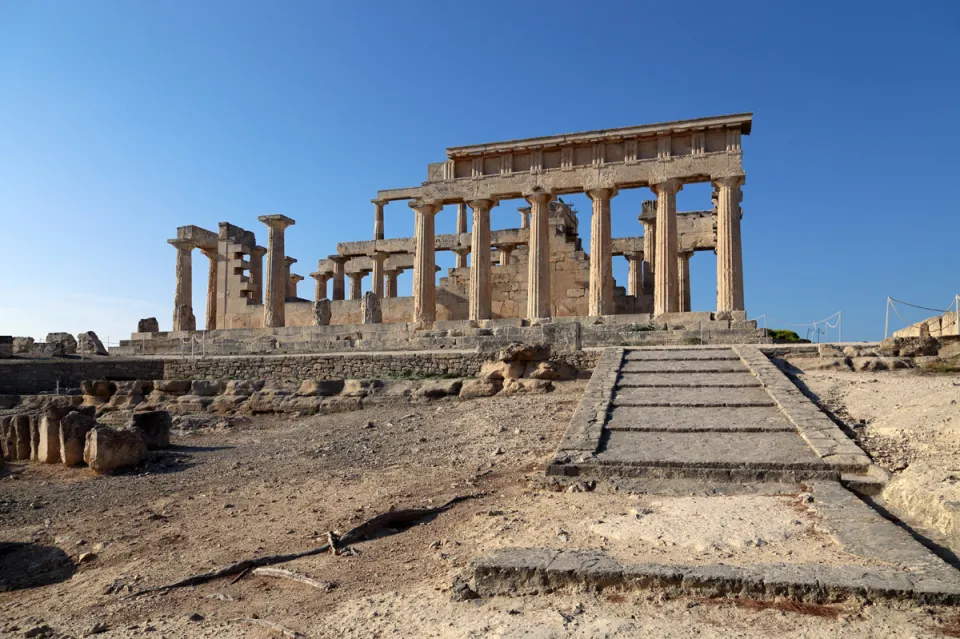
107,449
207,387
22,345
225,404
73,436
148,325
909,346
88,343
550,370
173,386
526,387
830,350
863,364
360,387
524,352
370,308
474,388
243,388
318,387
61,344
439,389
502,370
321,313
154,426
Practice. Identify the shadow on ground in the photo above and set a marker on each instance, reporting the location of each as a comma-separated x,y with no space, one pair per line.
26,565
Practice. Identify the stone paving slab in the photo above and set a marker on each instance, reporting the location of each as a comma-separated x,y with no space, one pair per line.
683,366
674,355
679,419
718,450
690,380
704,396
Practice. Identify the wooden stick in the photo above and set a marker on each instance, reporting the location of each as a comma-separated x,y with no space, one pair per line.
367,528
280,573
284,631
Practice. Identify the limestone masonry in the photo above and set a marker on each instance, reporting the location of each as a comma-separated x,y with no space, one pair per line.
532,273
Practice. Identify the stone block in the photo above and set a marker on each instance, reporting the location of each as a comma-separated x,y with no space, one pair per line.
439,389
243,388
370,309
107,449
73,435
153,426
48,448
524,352
207,387
360,387
317,387
89,344
502,370
22,345
550,370
61,343
148,325
474,388
321,313
526,387
173,386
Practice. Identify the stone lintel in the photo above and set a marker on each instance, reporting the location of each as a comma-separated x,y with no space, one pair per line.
201,238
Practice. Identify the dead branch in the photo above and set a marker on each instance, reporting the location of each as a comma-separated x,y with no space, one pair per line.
280,573
386,520
284,631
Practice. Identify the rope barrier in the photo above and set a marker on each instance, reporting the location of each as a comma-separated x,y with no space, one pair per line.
892,303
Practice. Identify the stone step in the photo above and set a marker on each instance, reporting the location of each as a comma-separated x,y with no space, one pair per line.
687,396
673,355
703,420
689,380
683,366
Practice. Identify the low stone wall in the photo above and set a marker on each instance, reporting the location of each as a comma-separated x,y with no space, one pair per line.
27,377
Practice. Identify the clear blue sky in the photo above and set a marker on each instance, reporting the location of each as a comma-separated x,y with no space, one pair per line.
120,121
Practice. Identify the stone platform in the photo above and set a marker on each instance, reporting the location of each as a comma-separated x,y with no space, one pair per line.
702,412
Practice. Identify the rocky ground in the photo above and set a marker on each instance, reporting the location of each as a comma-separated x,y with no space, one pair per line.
73,545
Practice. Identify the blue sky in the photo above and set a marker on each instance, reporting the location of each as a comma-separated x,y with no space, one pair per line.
120,121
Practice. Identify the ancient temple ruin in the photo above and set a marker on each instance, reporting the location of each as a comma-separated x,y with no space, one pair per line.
524,276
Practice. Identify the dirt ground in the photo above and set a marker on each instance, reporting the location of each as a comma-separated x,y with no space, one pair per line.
270,485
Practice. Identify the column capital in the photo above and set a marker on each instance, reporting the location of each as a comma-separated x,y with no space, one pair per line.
482,204
289,261
210,253
393,271
602,193
424,207
258,251
685,253
673,185
339,259
380,203
317,275
538,196
181,243
730,181
277,221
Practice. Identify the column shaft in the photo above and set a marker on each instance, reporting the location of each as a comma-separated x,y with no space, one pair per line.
729,250
276,285
378,219
256,273
338,283
377,284
505,251
356,285
424,263
320,290
601,256
392,283
633,274
461,229
480,295
211,323
538,271
649,257
667,289
183,293
683,277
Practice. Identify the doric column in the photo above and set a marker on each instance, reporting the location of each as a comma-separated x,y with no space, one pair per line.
634,285
461,229
338,270
320,289
275,289
256,273
391,286
356,284
524,217
378,219
291,287
424,262
683,277
480,296
461,254
729,250
538,272
211,322
601,256
649,255
376,285
505,251
183,293
667,288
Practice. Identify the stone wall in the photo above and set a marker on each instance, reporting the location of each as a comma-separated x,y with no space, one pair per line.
939,326
25,377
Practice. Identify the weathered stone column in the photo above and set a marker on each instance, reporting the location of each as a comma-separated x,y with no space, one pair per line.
376,285
461,254
320,289
424,262
256,273
461,229
634,285
276,285
339,263
667,288
524,217
183,293
211,321
378,219
291,291
480,293
683,277
391,286
292,286
601,256
505,251
729,249
649,255
538,271
356,284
